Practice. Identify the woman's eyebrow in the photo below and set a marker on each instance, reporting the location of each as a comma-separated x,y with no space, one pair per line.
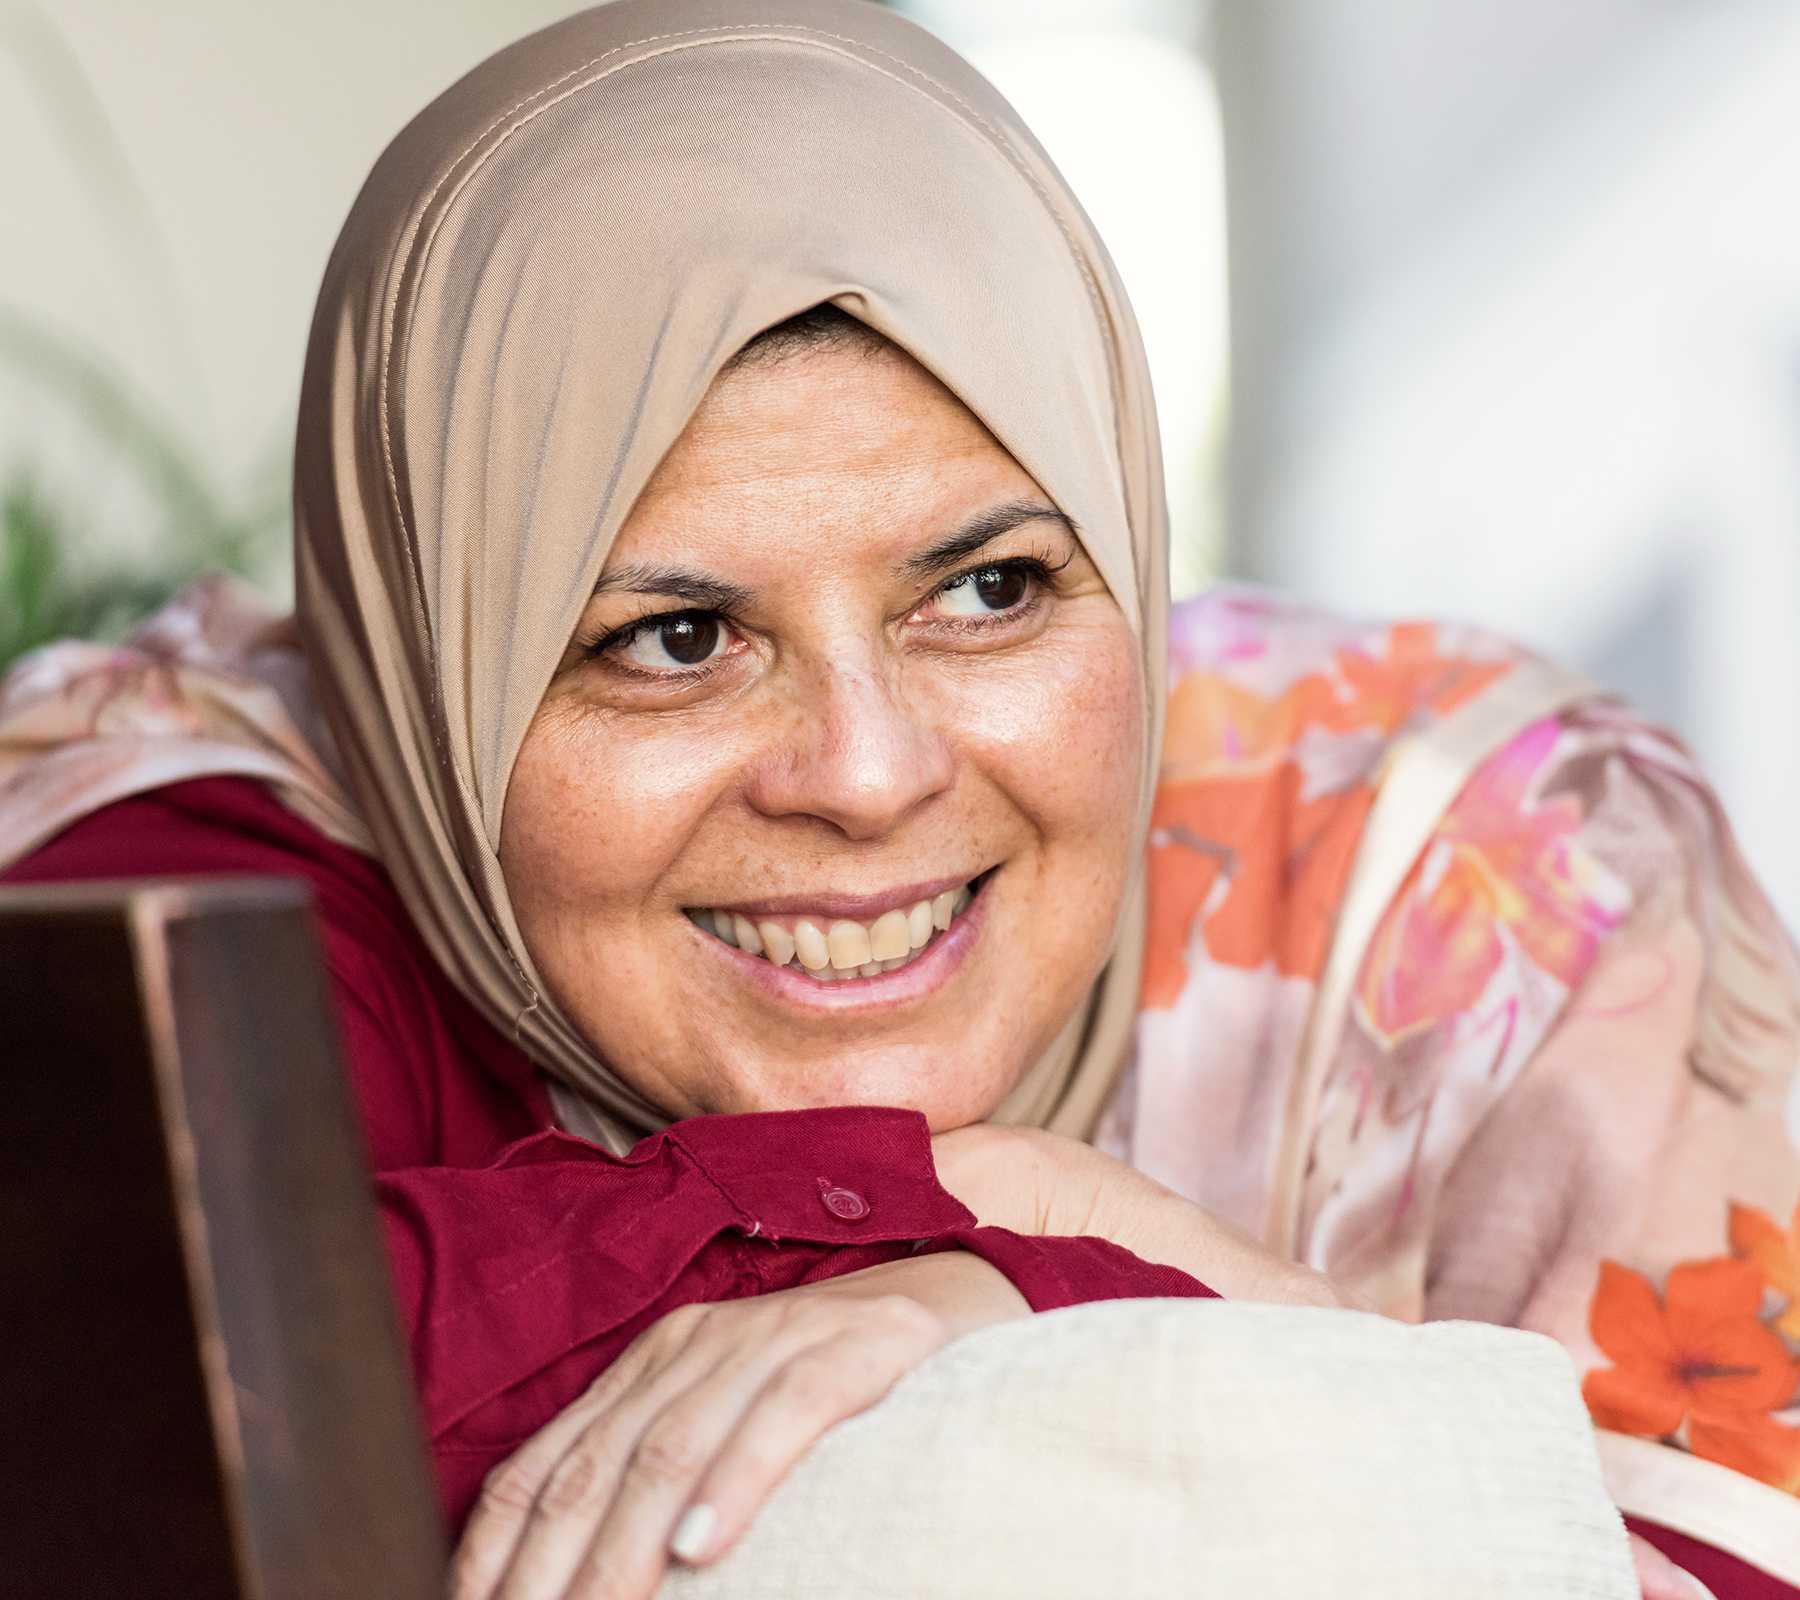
681,583
705,592
985,528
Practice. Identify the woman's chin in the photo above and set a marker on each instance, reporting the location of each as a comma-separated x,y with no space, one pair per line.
932,1082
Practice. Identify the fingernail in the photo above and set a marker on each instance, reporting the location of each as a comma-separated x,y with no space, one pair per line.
692,1532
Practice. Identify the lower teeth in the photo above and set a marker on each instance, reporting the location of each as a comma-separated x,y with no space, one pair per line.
869,969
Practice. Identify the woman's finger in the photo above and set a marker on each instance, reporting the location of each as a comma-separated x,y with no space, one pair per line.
509,1496
814,1390
628,1552
573,1498
587,1532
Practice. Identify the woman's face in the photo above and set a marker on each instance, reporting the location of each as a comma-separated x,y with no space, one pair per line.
847,676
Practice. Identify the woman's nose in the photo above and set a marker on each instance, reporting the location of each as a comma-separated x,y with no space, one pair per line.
855,753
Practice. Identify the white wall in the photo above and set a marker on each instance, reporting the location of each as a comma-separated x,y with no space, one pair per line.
1516,325
178,223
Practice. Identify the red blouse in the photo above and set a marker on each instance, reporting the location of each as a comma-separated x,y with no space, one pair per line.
526,1259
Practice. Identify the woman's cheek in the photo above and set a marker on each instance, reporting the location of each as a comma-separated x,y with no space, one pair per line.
1109,711
598,809
1098,781
1066,723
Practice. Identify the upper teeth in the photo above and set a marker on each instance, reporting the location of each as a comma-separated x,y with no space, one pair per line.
841,949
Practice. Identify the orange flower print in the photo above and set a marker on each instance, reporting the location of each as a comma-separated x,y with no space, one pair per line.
1499,863
1759,1447
1219,728
1242,837
1386,690
1756,1237
1264,868
1700,1356
1216,724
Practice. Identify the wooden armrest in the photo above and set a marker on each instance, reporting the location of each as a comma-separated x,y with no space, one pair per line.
203,1388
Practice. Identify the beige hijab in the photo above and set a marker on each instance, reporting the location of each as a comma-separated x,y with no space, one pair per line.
539,280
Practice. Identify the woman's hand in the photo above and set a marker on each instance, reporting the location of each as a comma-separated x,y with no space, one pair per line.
1040,1183
699,1419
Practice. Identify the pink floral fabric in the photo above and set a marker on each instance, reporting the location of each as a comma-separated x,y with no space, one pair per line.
214,683
1562,1094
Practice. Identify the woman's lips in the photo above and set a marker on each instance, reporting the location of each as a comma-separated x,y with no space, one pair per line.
923,972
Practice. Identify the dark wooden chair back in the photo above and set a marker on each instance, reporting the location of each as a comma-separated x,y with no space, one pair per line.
202,1387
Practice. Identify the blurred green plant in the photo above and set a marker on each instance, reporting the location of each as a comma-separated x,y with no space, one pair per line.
46,592
38,599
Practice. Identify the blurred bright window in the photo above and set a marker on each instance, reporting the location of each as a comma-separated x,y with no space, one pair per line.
1121,97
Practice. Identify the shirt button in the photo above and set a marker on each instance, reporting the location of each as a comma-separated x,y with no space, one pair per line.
844,1204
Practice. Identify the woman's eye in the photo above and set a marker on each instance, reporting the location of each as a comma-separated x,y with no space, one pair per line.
686,639
985,591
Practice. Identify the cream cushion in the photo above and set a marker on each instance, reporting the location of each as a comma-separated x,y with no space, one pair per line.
1175,1447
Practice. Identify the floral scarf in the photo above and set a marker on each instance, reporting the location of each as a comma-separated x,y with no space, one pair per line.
1459,990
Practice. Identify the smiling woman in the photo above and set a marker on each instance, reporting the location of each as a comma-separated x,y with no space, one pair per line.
793,894
830,799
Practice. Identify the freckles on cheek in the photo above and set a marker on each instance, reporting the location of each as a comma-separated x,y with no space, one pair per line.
1107,707
1069,724
598,812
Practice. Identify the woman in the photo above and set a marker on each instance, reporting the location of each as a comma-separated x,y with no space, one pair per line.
722,735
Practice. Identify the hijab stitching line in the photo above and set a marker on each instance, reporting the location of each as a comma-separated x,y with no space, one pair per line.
408,255
413,259
997,137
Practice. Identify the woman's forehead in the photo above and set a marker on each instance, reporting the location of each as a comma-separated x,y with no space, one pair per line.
821,430
867,402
